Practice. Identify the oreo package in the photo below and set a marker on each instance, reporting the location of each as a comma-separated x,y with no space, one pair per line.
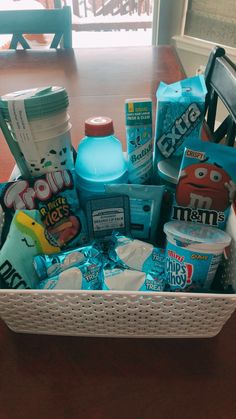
55,196
207,184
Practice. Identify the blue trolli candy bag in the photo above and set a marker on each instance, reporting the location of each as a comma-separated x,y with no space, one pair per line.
206,185
179,117
55,196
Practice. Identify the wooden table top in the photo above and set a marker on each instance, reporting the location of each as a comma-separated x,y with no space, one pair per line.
97,80
45,377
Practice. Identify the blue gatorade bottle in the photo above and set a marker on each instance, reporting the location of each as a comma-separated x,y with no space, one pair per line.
100,159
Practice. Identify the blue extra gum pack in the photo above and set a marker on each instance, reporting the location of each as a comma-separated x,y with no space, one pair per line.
206,185
179,117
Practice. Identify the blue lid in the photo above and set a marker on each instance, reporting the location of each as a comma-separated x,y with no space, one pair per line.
188,232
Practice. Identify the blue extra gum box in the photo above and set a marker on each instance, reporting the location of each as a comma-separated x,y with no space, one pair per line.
179,117
206,185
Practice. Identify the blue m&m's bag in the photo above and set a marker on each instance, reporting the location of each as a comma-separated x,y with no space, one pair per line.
206,185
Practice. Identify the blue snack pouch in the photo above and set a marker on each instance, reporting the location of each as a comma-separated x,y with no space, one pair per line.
55,196
121,279
83,276
51,265
136,254
206,185
180,111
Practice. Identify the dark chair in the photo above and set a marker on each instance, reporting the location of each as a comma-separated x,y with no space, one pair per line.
48,21
220,77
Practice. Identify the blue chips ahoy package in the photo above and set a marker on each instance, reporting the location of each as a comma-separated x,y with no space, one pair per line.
180,110
206,185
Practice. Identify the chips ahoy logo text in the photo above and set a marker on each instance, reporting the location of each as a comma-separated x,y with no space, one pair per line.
179,273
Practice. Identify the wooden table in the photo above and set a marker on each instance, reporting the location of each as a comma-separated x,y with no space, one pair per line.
86,378
97,80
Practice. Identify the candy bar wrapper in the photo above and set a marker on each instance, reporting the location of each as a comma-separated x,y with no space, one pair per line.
206,185
83,276
121,279
136,254
179,117
51,265
55,196
27,238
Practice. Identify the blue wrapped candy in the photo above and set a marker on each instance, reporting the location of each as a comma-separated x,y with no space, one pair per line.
121,279
136,254
83,276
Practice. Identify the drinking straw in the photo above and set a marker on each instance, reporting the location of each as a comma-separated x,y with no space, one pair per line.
14,148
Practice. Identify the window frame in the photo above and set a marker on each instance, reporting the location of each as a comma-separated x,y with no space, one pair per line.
173,32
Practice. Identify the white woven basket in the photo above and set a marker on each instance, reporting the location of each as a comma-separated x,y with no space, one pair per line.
116,314
120,314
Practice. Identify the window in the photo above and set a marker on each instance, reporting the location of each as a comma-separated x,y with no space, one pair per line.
212,20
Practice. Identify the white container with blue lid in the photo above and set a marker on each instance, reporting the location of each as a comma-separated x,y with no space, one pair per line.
193,253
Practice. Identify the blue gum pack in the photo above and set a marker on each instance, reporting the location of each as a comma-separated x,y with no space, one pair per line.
179,117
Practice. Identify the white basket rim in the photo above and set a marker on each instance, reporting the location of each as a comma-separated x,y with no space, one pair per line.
114,293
